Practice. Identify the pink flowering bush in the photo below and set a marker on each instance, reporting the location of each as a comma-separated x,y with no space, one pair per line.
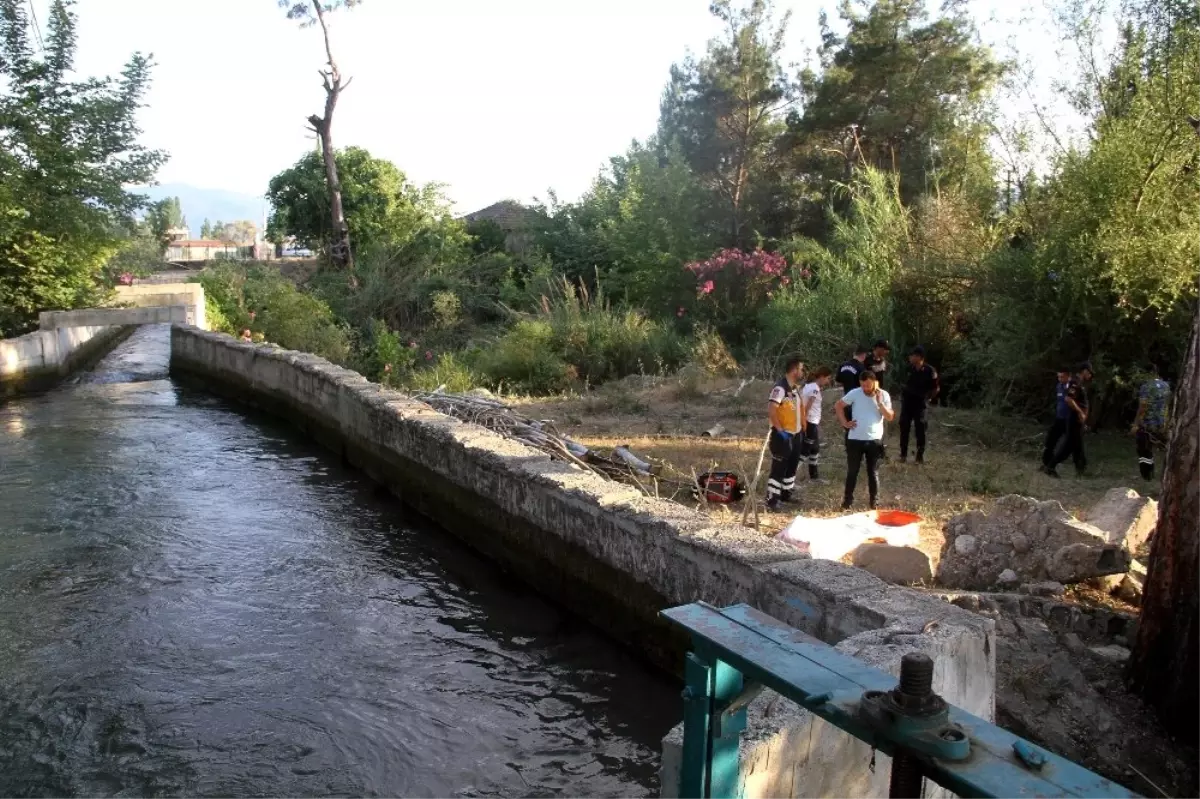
733,285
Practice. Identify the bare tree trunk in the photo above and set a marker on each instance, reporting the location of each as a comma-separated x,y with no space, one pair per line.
1165,668
340,253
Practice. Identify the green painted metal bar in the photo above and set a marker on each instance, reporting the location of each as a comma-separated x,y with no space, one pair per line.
832,685
697,720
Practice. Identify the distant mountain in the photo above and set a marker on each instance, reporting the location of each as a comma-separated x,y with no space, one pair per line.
211,204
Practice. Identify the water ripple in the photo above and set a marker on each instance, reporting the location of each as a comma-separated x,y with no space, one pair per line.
193,601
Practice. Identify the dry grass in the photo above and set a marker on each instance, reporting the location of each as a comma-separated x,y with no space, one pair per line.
972,457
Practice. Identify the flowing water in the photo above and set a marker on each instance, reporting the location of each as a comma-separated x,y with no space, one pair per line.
194,601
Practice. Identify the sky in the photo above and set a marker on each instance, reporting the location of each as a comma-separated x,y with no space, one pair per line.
493,98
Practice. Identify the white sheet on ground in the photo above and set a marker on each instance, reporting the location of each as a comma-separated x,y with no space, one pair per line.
833,539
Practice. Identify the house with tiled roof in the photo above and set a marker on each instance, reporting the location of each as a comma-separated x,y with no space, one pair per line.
515,220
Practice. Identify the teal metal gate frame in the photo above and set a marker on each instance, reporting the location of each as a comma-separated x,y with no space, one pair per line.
738,651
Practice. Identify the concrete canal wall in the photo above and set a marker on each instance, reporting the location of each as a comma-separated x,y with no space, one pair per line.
614,555
38,360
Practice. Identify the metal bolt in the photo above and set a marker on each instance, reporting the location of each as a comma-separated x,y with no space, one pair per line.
906,777
916,674
916,681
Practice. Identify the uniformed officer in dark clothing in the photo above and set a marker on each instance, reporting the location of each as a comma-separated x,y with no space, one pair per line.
1062,417
921,388
877,360
1072,443
849,373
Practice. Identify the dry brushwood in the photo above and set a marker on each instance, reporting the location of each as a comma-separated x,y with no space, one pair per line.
542,435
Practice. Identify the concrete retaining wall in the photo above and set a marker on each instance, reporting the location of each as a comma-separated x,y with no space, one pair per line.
38,360
166,294
110,317
613,555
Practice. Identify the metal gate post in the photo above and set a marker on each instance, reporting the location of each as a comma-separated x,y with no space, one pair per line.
729,720
697,724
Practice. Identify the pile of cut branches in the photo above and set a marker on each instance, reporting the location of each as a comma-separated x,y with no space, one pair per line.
622,464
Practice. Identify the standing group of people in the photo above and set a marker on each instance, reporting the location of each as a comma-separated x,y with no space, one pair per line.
1071,408
794,411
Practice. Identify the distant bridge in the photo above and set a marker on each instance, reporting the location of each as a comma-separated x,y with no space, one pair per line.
68,340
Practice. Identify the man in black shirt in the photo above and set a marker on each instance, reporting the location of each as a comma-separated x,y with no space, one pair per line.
1072,446
877,360
849,372
921,389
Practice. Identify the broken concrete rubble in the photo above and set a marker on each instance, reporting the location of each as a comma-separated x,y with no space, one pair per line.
1024,540
1126,517
1132,584
902,565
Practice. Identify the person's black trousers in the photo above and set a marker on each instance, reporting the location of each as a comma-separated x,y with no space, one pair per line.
1071,446
785,459
810,450
912,413
856,452
1056,432
1147,440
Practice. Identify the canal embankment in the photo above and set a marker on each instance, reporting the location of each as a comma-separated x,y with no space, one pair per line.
615,556
38,360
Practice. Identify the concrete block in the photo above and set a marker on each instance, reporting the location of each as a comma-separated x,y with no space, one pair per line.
1126,517
1077,562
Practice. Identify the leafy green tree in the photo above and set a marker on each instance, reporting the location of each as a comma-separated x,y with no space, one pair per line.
243,232
644,217
206,230
725,112
68,148
382,207
164,216
312,13
899,91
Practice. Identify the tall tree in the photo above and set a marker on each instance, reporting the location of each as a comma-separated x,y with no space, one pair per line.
242,232
381,206
1164,667
164,216
206,229
316,13
725,110
900,92
68,149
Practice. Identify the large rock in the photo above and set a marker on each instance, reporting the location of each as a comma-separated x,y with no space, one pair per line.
1037,541
1126,517
903,565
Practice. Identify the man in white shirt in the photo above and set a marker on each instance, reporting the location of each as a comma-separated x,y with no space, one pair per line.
810,406
870,406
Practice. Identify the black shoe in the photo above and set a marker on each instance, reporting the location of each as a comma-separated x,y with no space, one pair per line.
846,505
873,506
904,459
920,460
773,504
1052,472
787,498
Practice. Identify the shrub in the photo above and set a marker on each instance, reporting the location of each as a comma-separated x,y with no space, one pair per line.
733,285
449,371
710,355
258,297
526,357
